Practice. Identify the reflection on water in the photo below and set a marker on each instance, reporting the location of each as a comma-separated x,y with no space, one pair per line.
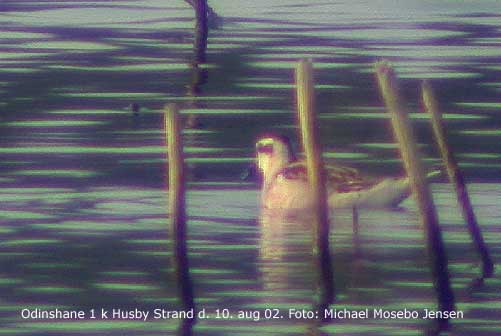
285,251
108,247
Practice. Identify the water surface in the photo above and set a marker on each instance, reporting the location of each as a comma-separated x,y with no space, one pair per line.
83,200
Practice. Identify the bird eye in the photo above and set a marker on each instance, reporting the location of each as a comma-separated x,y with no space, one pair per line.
264,148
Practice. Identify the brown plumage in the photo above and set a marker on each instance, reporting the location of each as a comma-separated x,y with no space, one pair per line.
340,179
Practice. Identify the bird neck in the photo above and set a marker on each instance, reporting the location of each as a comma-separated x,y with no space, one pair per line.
272,170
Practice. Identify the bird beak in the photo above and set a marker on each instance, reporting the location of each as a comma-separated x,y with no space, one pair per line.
249,174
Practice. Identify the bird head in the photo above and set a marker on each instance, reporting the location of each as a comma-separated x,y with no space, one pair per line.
273,153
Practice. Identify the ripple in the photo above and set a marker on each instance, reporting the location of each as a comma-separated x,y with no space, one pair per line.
69,46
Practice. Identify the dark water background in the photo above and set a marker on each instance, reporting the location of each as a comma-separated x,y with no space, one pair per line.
82,202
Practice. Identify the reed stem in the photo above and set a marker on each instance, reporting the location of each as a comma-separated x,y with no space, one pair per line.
414,167
177,212
456,178
201,30
316,175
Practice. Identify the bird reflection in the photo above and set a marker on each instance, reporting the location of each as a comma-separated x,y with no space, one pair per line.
285,256
288,267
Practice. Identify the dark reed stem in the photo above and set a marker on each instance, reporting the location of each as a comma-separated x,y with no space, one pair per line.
456,178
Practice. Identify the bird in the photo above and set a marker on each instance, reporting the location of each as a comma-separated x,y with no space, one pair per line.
285,184
135,108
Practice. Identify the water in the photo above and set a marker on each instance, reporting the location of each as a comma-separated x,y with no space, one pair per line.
107,247
83,204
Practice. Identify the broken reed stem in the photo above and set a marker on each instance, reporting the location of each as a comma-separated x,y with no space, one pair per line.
456,178
316,173
413,165
177,211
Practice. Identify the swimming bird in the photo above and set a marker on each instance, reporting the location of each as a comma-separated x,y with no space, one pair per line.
285,185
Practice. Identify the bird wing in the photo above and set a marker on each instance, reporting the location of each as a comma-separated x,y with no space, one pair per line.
340,179
294,171
343,179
